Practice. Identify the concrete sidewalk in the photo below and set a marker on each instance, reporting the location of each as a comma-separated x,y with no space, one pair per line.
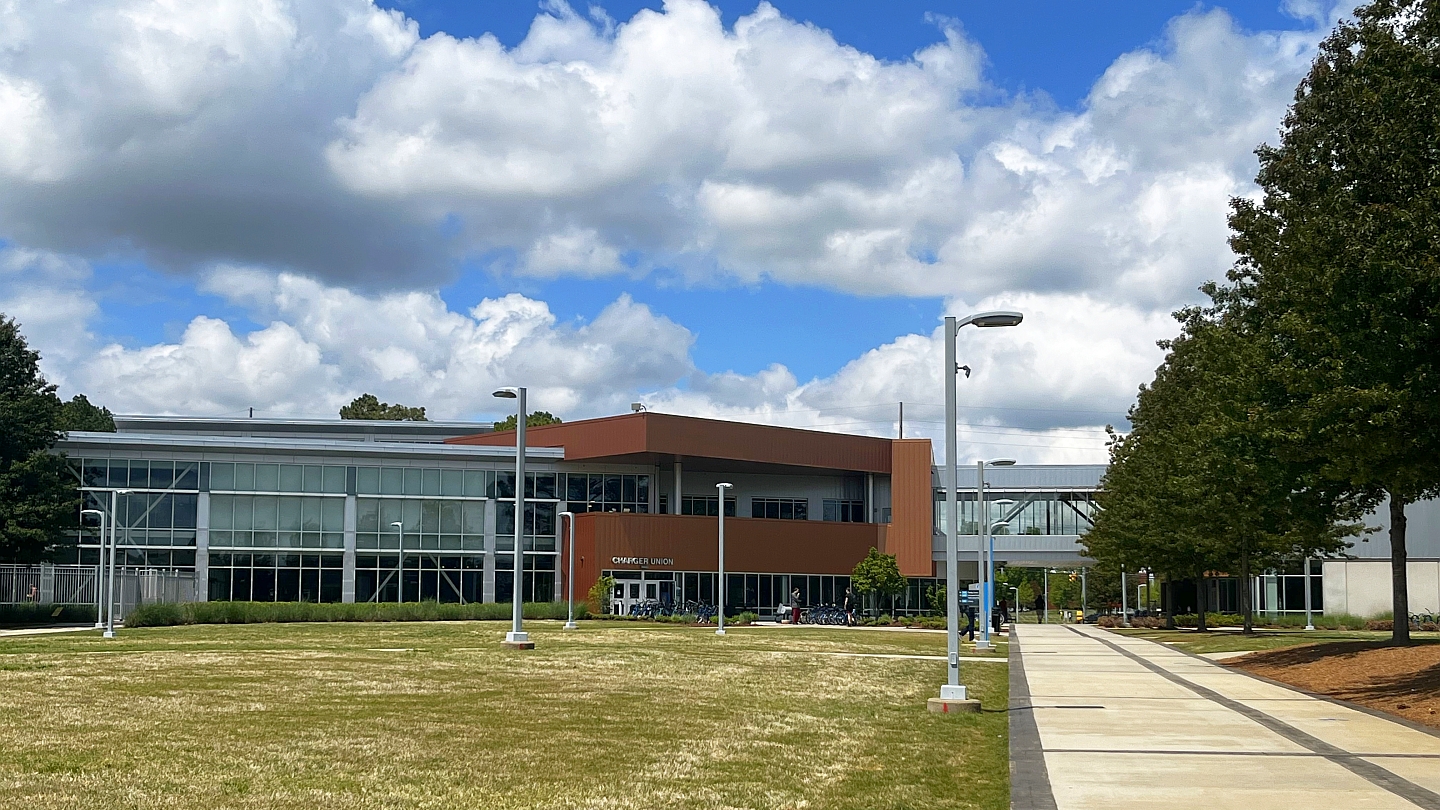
1099,720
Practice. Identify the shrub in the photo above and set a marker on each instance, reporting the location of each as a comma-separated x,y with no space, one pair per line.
742,619
169,614
599,597
1380,624
33,614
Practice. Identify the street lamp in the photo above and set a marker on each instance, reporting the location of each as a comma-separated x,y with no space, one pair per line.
1309,624
986,571
400,527
517,637
953,689
99,569
110,588
1124,605
570,578
720,583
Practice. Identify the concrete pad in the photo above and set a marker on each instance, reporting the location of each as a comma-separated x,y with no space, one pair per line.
946,706
1423,772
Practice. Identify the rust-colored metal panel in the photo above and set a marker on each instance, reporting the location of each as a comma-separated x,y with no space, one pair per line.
912,508
654,436
688,543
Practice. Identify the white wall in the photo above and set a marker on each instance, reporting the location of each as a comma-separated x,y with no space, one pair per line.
1362,587
1422,532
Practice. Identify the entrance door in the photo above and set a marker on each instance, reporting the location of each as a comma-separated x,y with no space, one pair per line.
627,593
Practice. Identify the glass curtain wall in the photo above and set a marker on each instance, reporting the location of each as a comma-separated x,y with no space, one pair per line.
1065,513
157,521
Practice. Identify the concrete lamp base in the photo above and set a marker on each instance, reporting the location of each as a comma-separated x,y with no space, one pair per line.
571,626
518,641
943,706
981,646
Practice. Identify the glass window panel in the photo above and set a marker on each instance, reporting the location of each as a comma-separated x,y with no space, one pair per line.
162,474
287,539
392,481
161,511
267,477
474,483
473,542
267,512
183,538
597,488
367,515
413,483
429,482
642,490
450,517
222,511
95,473
389,513
332,515
119,473
627,489
787,510
576,490
544,484
140,474
505,518
612,489
291,478
802,510
309,515
245,477
473,517
367,480
410,514
452,483
540,518
186,507
504,486
312,478
244,512
332,480
222,476
263,539
187,475
290,509
430,517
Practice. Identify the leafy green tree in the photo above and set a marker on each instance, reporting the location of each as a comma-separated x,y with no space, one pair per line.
38,500
1339,265
80,414
877,575
532,419
367,406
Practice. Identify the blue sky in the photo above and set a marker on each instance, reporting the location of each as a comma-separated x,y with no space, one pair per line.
764,223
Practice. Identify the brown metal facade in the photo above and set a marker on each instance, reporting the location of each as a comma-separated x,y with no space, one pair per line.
648,438
912,507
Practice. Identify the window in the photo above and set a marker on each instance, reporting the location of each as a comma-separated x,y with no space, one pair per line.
137,474
276,521
272,577
433,577
780,508
427,524
246,477
844,511
699,505
606,492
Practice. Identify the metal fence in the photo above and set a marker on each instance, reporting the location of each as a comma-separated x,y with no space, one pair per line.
76,585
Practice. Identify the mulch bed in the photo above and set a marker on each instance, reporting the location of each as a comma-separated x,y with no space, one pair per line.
1403,681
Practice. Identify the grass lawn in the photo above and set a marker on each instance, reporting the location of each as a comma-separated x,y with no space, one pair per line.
437,715
1232,640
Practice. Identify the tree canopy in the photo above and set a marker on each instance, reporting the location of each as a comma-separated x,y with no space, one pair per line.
38,499
368,406
877,574
532,419
80,414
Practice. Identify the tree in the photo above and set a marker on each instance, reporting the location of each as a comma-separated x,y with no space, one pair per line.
1338,266
877,575
80,414
38,501
532,419
367,406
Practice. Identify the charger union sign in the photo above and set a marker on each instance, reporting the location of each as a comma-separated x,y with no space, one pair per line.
642,561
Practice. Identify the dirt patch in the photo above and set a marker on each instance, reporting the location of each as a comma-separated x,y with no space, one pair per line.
1404,681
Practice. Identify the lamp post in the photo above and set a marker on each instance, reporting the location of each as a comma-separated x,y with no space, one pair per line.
1046,572
987,589
1124,606
1309,624
110,587
99,569
400,527
570,578
720,583
517,636
1083,595
953,689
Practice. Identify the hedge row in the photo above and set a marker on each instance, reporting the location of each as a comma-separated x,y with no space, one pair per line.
166,615
28,614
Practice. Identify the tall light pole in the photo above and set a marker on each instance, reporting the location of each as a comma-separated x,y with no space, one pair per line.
400,527
1083,595
953,689
986,570
1124,606
1309,623
570,578
110,588
517,637
99,569
720,583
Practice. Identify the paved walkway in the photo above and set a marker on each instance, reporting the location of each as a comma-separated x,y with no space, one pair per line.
40,631
1103,721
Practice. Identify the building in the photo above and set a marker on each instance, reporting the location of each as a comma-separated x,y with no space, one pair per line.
332,510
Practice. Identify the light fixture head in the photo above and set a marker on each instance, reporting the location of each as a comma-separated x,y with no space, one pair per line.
723,485
506,393
997,318
1002,501
637,407
397,524
1000,462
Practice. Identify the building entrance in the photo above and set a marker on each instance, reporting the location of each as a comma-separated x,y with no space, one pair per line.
631,591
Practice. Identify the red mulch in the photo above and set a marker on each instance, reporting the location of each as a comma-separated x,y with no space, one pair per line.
1403,681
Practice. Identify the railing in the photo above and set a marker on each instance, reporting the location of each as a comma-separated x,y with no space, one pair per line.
47,584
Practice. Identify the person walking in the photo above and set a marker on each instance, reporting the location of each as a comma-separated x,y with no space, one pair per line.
795,606
849,608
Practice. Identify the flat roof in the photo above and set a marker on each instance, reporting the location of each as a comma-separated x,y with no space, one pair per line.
80,441
359,428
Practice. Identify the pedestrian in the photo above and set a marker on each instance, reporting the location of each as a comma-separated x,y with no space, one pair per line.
970,622
1040,603
849,607
1004,610
795,606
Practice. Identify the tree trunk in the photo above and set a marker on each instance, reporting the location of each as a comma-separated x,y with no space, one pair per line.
1169,603
1247,594
1200,602
1400,632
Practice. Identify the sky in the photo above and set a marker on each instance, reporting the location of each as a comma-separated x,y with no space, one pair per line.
738,210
